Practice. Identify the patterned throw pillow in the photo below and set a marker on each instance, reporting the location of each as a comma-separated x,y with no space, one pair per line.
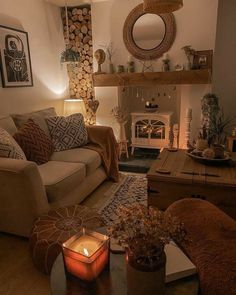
67,132
9,148
36,145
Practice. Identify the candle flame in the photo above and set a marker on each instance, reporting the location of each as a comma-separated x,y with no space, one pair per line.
86,252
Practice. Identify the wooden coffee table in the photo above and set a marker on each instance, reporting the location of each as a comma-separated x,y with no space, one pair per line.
111,282
174,176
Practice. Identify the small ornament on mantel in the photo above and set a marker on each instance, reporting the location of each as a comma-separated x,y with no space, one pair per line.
100,57
166,63
130,65
110,51
189,52
147,65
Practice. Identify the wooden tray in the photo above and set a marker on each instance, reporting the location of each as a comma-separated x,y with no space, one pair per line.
208,161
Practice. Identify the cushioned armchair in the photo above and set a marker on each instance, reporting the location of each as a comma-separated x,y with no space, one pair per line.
28,190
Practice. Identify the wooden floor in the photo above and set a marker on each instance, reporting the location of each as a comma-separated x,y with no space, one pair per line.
18,276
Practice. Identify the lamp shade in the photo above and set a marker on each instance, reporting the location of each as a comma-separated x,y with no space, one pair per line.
161,6
74,105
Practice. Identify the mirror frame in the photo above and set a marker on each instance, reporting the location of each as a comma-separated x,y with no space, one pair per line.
148,54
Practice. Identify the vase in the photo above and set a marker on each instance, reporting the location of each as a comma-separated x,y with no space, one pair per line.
201,144
219,151
111,68
144,280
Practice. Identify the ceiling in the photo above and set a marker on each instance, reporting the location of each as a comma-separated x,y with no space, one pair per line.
73,2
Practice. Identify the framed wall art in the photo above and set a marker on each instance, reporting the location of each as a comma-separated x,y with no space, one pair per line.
203,59
15,63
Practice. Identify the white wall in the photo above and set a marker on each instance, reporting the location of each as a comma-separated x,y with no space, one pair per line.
42,21
196,26
224,74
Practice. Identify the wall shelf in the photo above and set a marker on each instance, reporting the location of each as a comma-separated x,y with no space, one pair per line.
153,78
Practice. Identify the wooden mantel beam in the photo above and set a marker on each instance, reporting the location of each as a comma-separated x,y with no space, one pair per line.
153,78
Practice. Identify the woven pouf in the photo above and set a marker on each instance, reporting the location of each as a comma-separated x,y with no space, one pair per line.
51,230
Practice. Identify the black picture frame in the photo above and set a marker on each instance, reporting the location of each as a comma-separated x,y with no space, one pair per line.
15,60
203,59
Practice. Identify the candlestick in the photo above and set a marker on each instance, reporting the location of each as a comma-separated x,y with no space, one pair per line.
129,58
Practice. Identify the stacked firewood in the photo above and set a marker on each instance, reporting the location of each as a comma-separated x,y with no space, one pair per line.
80,40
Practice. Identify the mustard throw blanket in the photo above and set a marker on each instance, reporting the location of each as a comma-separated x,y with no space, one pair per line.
102,140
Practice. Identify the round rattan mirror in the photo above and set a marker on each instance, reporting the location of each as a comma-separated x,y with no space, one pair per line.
147,36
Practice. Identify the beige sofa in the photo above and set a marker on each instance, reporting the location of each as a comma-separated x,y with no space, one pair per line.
28,190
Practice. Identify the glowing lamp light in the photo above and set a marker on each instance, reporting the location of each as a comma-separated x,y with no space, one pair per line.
86,254
74,105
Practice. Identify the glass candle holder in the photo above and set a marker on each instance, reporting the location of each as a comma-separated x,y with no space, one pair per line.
86,254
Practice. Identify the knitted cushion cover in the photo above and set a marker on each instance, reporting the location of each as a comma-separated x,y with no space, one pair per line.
9,148
37,146
51,230
67,132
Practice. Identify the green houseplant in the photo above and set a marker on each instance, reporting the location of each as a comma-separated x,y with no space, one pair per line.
215,126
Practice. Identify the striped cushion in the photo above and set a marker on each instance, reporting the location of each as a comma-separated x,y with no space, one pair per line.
9,148
67,132
36,145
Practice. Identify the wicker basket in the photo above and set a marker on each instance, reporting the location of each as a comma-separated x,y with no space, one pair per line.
161,6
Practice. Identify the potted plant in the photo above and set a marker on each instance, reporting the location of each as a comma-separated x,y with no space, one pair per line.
144,232
215,126
218,129
202,141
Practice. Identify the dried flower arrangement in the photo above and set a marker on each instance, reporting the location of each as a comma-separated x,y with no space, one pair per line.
144,232
119,114
110,51
189,52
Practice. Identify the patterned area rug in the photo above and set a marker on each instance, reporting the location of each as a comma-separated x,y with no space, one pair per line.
130,190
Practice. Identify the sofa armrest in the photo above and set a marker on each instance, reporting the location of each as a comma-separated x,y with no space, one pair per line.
22,196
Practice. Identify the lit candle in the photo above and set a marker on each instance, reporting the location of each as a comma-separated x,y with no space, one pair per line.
86,245
86,254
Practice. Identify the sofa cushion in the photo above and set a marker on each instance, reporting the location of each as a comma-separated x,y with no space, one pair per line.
38,117
8,124
36,145
60,178
9,148
89,158
67,132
